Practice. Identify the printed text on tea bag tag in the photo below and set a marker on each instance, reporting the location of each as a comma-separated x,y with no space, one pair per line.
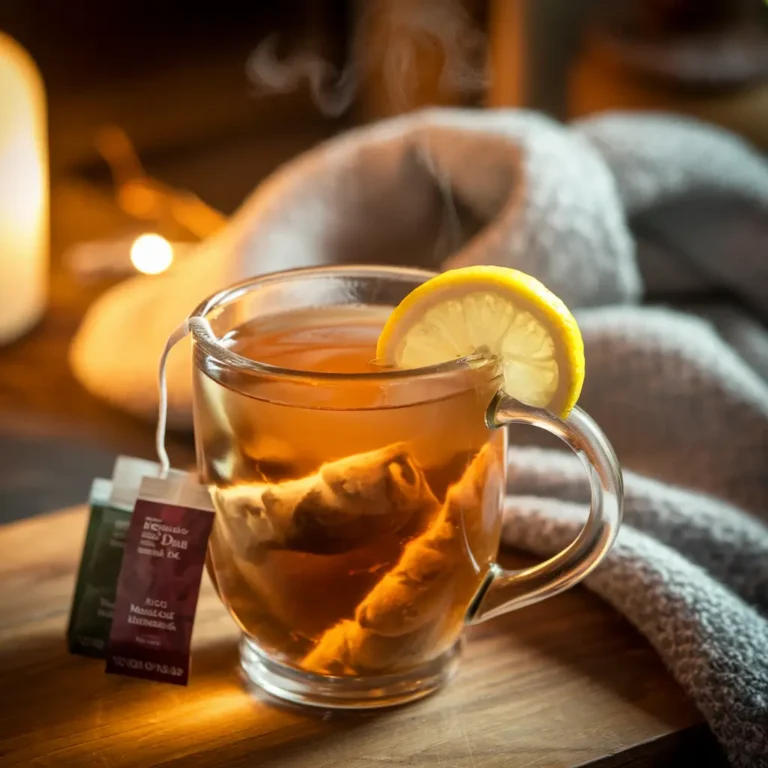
160,581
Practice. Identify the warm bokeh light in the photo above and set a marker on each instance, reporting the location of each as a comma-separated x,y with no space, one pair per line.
23,192
151,254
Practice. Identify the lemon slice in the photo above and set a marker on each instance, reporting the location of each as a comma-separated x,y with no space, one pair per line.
499,313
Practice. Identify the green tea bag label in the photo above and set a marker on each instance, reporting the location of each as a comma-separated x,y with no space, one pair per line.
93,604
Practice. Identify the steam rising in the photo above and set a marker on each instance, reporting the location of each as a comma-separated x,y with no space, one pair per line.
387,40
332,91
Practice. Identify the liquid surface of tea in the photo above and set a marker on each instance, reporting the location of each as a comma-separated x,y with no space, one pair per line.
356,517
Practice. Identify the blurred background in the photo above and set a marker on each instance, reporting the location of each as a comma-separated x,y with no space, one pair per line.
163,117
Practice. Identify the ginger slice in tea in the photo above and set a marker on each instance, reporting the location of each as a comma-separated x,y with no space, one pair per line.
331,511
349,649
368,502
415,595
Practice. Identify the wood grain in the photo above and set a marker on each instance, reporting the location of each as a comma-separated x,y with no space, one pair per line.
564,683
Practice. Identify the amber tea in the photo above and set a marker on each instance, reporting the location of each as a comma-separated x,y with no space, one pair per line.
356,516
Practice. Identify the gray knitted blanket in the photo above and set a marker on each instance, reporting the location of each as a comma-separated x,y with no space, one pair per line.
655,230
683,396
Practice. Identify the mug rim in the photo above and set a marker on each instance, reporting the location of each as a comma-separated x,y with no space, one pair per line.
232,359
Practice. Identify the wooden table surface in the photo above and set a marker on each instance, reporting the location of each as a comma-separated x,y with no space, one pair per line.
564,683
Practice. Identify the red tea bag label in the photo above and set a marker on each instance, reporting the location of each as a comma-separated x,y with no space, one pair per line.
159,581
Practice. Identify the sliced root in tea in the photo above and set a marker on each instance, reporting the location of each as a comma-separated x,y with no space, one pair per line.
419,591
299,592
345,503
349,649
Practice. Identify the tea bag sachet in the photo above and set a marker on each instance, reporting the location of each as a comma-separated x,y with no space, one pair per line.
111,504
410,602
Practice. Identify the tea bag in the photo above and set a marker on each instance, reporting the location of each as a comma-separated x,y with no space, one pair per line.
401,611
111,507
344,503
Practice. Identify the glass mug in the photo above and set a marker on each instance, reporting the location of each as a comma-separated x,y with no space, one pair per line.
358,508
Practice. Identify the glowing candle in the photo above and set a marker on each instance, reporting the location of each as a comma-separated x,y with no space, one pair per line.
23,192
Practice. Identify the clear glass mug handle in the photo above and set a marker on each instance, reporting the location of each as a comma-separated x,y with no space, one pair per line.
505,590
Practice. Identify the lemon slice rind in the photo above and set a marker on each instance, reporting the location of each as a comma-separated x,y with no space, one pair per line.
503,313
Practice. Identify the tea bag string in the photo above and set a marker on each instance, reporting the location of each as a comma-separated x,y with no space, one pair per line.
162,411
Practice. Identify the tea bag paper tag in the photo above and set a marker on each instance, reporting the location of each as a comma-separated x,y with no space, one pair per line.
94,599
159,582
111,505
